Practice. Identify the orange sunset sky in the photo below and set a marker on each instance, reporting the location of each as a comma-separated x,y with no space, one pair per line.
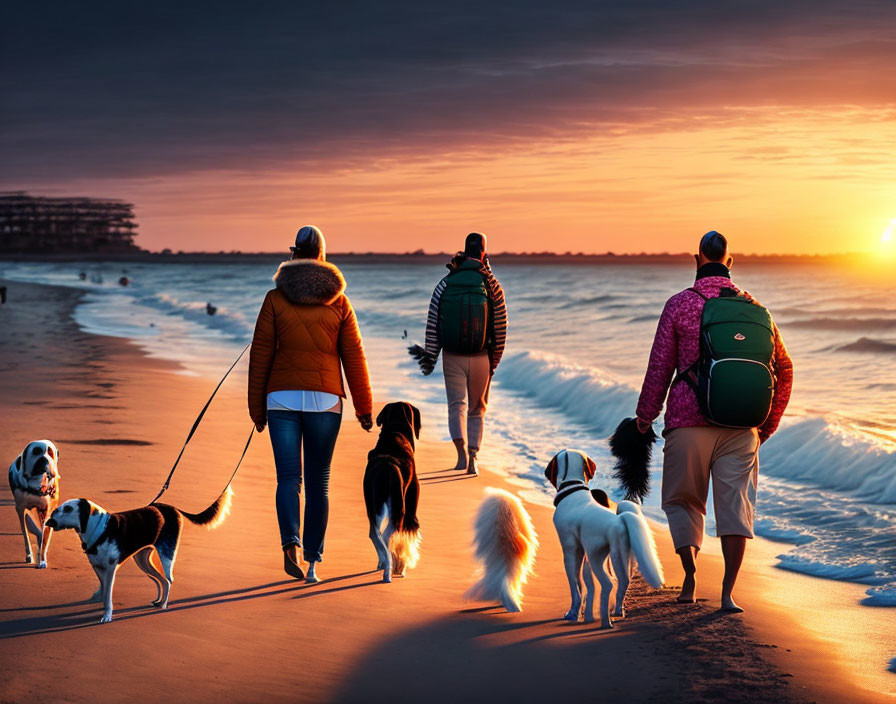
583,126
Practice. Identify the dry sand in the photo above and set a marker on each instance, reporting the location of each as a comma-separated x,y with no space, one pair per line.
239,629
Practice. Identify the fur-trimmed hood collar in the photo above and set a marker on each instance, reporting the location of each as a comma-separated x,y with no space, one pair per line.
309,281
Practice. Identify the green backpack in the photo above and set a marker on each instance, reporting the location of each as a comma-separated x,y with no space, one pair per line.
464,310
734,377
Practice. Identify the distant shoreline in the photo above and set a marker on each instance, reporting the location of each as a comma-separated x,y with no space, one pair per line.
385,257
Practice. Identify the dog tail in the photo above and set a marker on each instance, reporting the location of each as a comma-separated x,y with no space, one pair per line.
404,544
505,543
405,548
641,540
632,450
215,514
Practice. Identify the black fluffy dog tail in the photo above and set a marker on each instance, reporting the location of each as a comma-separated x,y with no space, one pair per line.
632,450
215,514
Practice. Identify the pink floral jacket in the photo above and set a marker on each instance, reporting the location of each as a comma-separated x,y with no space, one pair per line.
677,346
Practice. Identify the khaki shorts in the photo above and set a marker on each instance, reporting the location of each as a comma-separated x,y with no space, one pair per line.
693,456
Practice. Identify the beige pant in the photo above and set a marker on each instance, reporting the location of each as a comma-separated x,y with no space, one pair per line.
466,375
691,456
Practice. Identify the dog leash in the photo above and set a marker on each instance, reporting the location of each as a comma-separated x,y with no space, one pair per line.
196,425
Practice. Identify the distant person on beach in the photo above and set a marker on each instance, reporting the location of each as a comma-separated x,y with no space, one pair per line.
305,336
468,322
732,381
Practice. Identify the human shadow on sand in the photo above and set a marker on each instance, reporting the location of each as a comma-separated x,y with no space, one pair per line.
487,655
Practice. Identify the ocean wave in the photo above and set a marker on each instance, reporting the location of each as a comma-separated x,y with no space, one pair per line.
769,529
828,455
225,320
644,319
584,395
843,323
861,572
869,345
881,596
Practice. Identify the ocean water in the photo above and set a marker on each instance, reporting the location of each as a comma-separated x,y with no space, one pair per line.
578,344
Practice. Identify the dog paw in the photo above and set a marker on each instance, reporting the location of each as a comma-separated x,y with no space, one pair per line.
571,615
29,560
106,618
42,565
606,626
619,613
588,619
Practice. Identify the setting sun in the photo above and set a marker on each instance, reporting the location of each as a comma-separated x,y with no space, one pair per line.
887,237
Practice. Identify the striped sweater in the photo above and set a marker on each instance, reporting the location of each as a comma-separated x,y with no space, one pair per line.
497,322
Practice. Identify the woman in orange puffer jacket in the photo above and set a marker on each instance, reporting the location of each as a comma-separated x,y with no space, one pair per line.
305,335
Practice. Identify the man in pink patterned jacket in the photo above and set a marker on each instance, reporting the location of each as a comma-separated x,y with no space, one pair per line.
696,451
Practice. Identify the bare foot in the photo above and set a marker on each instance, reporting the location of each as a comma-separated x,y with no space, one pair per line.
688,589
729,607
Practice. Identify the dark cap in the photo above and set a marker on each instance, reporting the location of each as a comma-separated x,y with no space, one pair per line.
475,245
310,244
714,246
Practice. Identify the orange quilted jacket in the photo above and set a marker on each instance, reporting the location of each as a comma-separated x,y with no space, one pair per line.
305,335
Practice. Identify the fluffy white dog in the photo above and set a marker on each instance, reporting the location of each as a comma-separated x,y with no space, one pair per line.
505,544
589,529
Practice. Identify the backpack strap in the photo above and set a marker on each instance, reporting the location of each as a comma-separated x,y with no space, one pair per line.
705,298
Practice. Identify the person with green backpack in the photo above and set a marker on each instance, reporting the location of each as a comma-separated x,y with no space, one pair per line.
467,322
720,357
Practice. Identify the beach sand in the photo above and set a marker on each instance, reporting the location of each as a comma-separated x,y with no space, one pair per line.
239,629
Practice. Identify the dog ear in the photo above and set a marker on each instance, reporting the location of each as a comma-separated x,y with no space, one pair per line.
417,425
379,418
551,471
601,497
83,513
590,468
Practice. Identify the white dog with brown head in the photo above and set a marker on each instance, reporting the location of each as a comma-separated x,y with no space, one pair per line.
34,482
589,529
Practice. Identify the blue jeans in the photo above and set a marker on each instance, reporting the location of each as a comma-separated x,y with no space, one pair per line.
289,430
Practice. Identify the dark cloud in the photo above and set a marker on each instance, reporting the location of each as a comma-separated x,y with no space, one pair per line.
117,89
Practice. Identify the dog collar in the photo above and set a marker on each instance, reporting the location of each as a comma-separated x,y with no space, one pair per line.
567,488
16,479
93,537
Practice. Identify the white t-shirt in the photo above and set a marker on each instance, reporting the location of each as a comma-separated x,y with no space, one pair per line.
308,401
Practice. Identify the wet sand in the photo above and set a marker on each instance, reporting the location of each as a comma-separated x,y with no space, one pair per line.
238,628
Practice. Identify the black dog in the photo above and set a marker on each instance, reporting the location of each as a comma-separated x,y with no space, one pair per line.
632,450
391,490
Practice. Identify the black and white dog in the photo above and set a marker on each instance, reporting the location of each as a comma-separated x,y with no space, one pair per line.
108,539
391,490
34,482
